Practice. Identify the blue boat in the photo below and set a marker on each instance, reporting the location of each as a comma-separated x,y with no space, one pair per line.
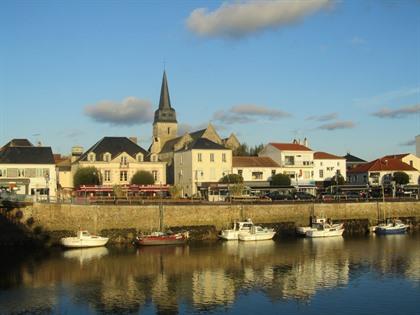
391,227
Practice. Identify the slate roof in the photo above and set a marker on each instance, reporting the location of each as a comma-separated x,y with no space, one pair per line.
326,156
26,155
169,145
18,143
396,156
354,159
115,146
253,161
203,144
290,147
382,164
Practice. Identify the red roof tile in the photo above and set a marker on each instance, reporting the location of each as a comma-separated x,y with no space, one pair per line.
382,164
290,147
253,161
326,156
396,156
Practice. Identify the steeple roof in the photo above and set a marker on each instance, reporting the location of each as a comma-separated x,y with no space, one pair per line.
165,112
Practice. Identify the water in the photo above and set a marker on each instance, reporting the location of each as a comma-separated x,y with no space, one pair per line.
300,276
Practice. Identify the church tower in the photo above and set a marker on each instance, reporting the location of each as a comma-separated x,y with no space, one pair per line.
165,126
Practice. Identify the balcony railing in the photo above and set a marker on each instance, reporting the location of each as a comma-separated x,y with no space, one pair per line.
285,163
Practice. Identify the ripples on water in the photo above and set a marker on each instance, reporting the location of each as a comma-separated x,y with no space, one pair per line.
302,276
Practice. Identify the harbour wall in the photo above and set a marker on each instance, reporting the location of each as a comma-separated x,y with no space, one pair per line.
123,222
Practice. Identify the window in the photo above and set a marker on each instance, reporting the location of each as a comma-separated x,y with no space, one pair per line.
321,173
2,173
273,172
107,176
257,175
21,172
123,176
289,160
91,157
411,163
211,157
320,163
139,157
123,160
338,163
107,157
223,157
155,175
169,130
153,158
240,172
199,157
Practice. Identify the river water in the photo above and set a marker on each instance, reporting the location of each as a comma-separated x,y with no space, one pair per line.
369,275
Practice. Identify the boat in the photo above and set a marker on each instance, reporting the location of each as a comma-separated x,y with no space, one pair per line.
239,227
257,233
391,226
162,238
325,230
84,239
301,230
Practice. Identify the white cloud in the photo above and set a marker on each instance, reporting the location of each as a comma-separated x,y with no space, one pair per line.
131,111
408,143
239,19
246,113
388,97
343,124
397,113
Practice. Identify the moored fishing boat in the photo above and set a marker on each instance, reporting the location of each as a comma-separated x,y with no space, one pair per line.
257,233
84,239
162,238
240,227
326,230
301,230
391,226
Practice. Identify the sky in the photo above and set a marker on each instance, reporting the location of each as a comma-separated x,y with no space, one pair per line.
343,74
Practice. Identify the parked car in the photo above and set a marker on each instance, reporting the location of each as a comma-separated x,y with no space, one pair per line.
352,195
301,195
276,195
326,196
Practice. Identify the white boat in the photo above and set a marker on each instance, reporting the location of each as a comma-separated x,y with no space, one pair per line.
241,227
84,239
325,230
301,230
391,227
257,233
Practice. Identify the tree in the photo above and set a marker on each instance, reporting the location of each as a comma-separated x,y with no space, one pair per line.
280,180
242,150
256,149
401,178
142,178
87,176
232,179
340,180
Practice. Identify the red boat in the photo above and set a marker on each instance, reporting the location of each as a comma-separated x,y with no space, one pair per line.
161,238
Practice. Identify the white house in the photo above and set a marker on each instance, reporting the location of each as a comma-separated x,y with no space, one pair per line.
381,171
28,170
295,160
255,168
118,159
200,163
327,166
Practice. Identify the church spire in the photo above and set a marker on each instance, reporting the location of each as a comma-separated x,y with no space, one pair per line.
165,112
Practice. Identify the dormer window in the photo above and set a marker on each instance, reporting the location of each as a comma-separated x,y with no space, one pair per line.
107,157
139,157
153,158
123,160
91,157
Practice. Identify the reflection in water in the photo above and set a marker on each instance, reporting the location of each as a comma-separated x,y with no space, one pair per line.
166,279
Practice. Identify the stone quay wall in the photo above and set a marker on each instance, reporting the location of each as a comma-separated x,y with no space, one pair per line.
122,222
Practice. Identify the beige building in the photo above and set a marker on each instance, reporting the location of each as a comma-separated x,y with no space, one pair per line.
28,170
407,158
255,169
200,163
327,165
118,159
296,160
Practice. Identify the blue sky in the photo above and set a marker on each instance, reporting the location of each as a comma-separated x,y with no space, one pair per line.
344,74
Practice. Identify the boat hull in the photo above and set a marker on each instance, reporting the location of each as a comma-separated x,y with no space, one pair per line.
386,231
161,240
257,237
324,233
74,242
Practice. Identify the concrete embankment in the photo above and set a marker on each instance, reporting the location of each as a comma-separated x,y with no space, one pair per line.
122,222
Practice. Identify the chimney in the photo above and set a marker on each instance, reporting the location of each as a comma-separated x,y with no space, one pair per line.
76,152
133,139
